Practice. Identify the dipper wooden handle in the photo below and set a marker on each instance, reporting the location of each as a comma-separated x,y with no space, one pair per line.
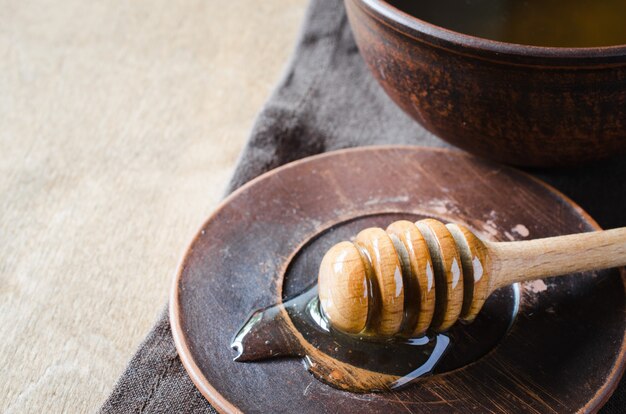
400,282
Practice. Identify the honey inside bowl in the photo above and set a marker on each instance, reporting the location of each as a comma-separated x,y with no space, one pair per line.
552,23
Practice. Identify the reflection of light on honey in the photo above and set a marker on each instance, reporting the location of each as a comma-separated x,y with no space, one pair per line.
441,345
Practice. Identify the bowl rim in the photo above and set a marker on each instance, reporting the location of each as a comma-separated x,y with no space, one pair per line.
441,37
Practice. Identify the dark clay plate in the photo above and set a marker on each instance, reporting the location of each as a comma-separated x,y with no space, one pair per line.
564,352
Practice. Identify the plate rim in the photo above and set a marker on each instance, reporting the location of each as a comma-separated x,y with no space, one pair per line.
223,405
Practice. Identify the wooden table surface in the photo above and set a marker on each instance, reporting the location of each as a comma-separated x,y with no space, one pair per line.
120,123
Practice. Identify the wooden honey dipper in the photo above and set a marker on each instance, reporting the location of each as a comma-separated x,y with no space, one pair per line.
415,276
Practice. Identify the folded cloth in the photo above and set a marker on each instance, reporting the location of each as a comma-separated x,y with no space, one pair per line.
328,100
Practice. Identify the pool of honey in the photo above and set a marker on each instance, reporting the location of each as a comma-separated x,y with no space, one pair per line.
405,359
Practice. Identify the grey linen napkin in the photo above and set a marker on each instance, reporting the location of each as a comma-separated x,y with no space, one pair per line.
328,100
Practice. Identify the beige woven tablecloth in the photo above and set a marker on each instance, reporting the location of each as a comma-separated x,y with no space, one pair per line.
119,126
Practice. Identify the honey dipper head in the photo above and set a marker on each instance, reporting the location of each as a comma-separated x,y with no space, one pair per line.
404,280
343,289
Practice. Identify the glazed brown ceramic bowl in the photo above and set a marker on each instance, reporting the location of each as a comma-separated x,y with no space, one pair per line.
523,105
